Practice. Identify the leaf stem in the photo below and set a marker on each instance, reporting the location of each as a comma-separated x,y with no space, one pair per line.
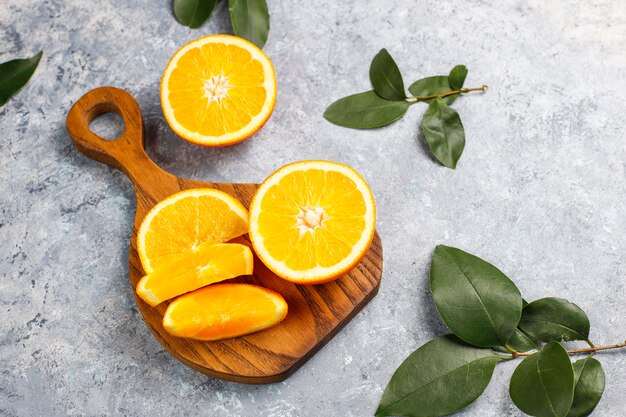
506,358
585,350
447,93
510,349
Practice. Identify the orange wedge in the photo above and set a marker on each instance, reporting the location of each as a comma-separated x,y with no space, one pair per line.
312,221
209,264
223,311
218,90
186,220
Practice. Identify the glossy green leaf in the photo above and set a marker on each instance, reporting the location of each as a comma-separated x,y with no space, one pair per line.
193,13
439,378
554,319
588,386
15,74
251,20
542,385
443,130
433,85
520,342
457,76
474,298
365,111
386,78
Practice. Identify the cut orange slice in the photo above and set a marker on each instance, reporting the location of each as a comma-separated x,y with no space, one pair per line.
223,311
312,221
186,220
218,90
208,264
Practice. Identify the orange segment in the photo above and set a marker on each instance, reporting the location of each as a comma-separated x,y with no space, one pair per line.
208,264
186,220
223,311
218,90
312,221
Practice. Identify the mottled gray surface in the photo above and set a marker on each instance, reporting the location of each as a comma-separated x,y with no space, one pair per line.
540,191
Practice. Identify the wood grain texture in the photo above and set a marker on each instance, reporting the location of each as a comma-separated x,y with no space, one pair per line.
316,313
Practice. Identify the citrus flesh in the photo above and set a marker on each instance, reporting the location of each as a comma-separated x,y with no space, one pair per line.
312,221
186,220
218,90
208,264
223,311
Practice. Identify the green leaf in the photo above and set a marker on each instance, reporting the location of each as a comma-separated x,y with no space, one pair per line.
15,74
386,78
443,130
457,77
433,85
365,111
251,20
520,342
474,298
554,319
439,378
588,386
542,385
193,13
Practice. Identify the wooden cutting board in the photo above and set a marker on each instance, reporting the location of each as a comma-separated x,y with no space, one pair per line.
316,313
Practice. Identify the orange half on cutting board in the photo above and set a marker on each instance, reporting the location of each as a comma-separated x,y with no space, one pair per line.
312,221
218,90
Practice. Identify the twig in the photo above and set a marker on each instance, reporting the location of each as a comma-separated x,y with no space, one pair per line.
448,93
579,351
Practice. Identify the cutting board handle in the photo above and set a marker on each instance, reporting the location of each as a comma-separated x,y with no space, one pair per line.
127,152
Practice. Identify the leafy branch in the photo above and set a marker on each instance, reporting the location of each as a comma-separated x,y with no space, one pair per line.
491,323
250,18
388,101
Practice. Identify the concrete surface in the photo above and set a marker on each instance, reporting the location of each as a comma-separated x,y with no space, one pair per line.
540,191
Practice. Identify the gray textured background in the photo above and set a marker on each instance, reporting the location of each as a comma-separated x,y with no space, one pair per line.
540,191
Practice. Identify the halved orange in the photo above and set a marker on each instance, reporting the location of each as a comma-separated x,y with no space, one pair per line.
186,220
312,221
223,311
218,90
209,264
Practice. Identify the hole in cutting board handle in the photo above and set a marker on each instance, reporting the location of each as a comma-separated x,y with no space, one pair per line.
108,125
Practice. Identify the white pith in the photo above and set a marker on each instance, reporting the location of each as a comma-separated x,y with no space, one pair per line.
216,88
309,219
